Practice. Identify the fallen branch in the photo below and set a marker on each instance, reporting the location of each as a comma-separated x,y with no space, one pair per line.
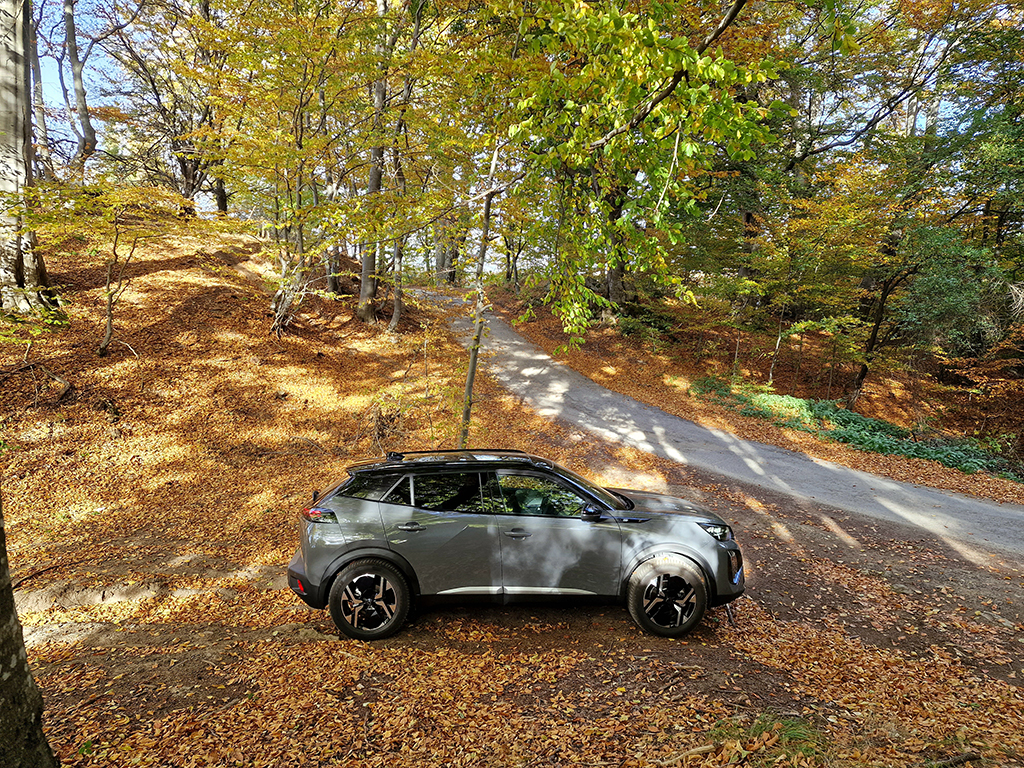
53,567
66,386
689,753
678,674
315,444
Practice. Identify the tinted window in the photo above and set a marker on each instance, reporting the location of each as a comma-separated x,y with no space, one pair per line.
535,495
609,499
457,492
400,494
368,485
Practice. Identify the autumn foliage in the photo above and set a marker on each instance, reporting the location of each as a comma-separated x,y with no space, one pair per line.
150,515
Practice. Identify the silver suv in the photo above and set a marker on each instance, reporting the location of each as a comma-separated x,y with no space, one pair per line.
506,525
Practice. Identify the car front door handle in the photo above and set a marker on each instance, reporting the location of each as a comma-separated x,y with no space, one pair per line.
413,527
518,533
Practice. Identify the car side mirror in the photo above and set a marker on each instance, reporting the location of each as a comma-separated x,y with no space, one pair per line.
591,513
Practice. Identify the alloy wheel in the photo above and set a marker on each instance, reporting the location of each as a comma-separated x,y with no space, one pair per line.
669,600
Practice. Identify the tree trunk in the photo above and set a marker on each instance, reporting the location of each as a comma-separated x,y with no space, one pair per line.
378,91
22,271
220,194
886,289
87,135
616,262
22,741
439,252
43,156
332,260
478,325
778,346
871,347
396,312
513,250
450,257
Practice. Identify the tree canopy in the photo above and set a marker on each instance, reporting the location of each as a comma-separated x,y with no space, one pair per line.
819,161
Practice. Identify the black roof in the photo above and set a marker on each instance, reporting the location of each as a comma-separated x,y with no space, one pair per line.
441,459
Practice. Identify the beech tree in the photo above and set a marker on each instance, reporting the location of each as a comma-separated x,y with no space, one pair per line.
22,741
625,112
23,276
171,132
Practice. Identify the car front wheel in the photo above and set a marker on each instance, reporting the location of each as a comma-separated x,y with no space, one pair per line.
667,595
369,599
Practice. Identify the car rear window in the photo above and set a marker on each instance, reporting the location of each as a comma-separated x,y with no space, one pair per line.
368,485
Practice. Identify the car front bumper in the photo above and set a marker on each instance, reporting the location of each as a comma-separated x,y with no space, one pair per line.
729,581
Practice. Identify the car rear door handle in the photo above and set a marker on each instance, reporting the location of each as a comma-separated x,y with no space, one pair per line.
411,527
518,533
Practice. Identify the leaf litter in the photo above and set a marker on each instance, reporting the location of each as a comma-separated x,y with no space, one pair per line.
151,514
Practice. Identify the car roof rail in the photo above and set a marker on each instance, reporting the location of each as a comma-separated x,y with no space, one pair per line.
402,455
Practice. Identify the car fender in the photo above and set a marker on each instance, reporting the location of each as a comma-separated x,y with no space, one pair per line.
370,548
669,549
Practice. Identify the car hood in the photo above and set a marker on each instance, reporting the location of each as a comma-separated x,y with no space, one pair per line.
658,505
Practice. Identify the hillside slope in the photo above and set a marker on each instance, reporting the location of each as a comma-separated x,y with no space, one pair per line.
150,499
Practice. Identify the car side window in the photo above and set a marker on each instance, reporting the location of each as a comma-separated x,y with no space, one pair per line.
449,492
528,494
367,485
400,494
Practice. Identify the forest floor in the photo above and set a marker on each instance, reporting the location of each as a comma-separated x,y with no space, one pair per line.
150,500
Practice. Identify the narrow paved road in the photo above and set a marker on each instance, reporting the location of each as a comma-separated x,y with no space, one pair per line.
975,528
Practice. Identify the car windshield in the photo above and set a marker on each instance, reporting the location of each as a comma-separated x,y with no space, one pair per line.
608,498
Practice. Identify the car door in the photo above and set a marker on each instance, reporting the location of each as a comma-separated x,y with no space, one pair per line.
546,546
438,522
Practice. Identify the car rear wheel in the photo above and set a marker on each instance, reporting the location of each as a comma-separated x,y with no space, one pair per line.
667,595
369,599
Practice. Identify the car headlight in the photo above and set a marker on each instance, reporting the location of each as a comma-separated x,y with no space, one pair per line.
718,530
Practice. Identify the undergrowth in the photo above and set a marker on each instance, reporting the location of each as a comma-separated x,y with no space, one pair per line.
828,420
769,741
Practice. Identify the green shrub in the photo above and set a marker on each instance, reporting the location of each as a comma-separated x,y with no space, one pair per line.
827,420
711,385
637,319
784,408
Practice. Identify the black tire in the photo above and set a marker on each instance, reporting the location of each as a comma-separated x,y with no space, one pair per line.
369,599
667,595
